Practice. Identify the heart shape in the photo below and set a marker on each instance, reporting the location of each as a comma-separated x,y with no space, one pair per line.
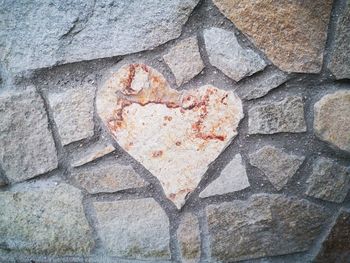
174,134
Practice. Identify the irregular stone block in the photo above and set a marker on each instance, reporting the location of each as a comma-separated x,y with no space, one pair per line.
264,225
329,181
108,177
27,148
45,221
340,59
189,238
184,60
133,228
288,32
38,36
332,119
233,178
161,127
336,246
73,113
277,165
274,117
226,54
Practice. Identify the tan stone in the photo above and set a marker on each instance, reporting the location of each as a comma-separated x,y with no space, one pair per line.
175,135
291,33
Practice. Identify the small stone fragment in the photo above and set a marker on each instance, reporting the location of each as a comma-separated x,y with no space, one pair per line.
44,221
340,58
289,32
108,177
329,181
259,86
27,148
226,54
264,225
73,113
336,247
184,60
274,117
277,165
189,238
137,229
332,119
233,178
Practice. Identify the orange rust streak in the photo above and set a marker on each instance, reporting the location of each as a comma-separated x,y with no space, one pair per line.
156,154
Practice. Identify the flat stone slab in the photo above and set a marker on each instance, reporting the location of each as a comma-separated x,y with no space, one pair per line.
27,148
173,134
289,33
137,229
226,54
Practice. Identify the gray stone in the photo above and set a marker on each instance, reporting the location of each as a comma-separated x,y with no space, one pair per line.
133,228
46,221
107,177
189,238
340,59
329,181
233,178
264,225
332,119
27,148
274,117
277,165
184,60
226,54
259,86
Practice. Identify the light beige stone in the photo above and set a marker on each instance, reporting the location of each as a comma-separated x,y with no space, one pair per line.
175,135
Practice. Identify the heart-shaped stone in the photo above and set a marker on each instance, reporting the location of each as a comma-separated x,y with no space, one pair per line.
174,134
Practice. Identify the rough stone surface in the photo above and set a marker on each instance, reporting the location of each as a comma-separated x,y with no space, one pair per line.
274,117
184,60
288,32
27,148
133,228
226,54
48,221
259,86
329,181
42,35
108,177
73,113
161,127
264,225
336,247
189,238
340,59
277,165
332,119
232,178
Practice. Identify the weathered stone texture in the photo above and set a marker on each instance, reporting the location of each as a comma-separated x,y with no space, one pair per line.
329,181
27,148
73,113
161,127
264,225
47,221
332,119
107,177
226,54
189,238
184,60
289,32
37,35
133,228
233,178
274,117
277,165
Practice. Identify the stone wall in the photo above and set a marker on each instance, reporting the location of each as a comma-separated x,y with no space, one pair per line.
175,131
